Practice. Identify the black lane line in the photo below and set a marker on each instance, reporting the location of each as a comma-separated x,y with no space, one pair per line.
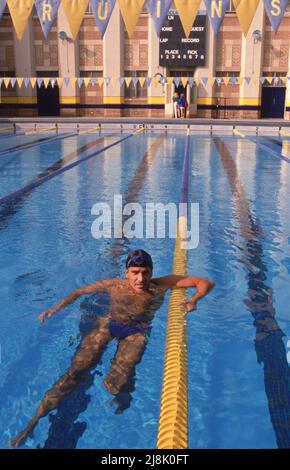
10,208
269,345
24,145
267,149
45,141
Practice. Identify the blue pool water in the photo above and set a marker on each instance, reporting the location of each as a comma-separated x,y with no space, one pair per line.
238,370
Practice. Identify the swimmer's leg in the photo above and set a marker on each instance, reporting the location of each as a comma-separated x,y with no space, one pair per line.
86,357
129,353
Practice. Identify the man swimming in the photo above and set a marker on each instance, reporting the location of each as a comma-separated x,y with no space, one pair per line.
134,300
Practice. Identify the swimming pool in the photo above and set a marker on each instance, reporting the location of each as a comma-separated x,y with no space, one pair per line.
238,374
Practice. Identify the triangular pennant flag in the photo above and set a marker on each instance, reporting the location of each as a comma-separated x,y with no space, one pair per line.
13,81
73,81
121,80
59,81
204,80
248,80
107,80
184,81
283,80
254,80
269,80
226,80
66,81
80,81
148,81
191,81
135,80
176,81
212,81
102,10
74,10
2,7
276,80
158,10
113,81
46,81
33,81
187,10
87,81
128,81
219,81
245,10
52,82
39,82
142,80
20,11
1,81
26,81
262,80
240,80
216,11
155,80
275,11
19,81
93,81
47,11
130,11
100,81
6,81
233,80
197,81
169,80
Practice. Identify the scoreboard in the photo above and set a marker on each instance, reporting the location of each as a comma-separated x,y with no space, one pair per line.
177,50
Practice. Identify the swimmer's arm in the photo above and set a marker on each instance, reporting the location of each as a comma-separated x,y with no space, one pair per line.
89,289
203,287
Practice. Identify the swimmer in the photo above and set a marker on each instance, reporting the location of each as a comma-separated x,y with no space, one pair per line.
134,301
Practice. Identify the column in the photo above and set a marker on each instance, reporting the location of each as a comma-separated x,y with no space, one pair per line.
205,94
68,66
25,67
156,91
113,61
252,65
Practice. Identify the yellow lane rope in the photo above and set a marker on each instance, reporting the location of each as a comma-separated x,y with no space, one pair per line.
95,129
281,132
5,129
173,419
40,131
235,132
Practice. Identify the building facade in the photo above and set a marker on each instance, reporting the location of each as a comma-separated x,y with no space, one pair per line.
228,54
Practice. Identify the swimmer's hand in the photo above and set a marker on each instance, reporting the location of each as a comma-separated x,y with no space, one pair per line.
190,306
47,313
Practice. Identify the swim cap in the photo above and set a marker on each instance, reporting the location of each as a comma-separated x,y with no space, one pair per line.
140,259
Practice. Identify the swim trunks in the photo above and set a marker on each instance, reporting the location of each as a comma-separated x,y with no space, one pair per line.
121,330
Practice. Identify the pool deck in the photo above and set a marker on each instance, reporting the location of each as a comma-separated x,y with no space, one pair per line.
256,126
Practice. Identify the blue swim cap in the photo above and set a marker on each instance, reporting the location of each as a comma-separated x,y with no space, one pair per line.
140,259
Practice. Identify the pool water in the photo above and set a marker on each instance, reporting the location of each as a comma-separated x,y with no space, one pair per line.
238,347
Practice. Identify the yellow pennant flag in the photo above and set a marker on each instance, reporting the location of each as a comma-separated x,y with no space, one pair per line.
169,80
255,80
46,81
20,11
33,81
184,81
19,81
155,81
197,81
142,80
6,81
59,81
226,80
212,81
283,80
187,10
74,10
87,81
245,12
269,80
113,81
240,80
73,81
100,81
128,81
130,10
